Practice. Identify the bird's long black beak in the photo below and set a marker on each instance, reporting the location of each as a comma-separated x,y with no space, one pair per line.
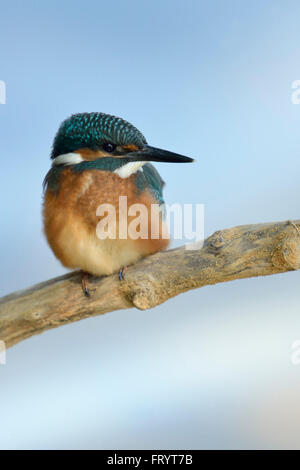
152,154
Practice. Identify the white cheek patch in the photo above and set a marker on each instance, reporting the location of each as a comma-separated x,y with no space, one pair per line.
127,170
68,159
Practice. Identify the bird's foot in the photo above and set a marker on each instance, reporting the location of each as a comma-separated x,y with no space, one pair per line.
85,283
122,273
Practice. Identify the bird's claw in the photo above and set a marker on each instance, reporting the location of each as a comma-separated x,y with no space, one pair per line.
86,291
122,273
85,284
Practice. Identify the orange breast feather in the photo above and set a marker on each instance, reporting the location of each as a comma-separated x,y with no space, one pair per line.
71,221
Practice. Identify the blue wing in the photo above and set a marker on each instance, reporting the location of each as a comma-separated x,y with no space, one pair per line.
154,181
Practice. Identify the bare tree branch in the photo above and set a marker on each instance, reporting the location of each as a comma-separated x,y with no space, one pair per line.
235,253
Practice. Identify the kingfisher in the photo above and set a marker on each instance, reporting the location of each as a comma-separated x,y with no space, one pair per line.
99,160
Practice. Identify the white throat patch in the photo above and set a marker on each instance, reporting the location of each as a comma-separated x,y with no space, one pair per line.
68,159
129,168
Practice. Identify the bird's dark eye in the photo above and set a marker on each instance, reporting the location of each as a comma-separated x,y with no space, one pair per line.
108,147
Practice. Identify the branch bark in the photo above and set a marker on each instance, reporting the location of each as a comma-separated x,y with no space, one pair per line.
235,253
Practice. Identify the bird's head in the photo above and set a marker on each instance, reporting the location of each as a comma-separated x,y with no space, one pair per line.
93,136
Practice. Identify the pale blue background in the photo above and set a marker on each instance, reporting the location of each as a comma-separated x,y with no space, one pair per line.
210,79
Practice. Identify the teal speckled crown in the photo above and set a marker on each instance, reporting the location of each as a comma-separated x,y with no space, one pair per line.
92,130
